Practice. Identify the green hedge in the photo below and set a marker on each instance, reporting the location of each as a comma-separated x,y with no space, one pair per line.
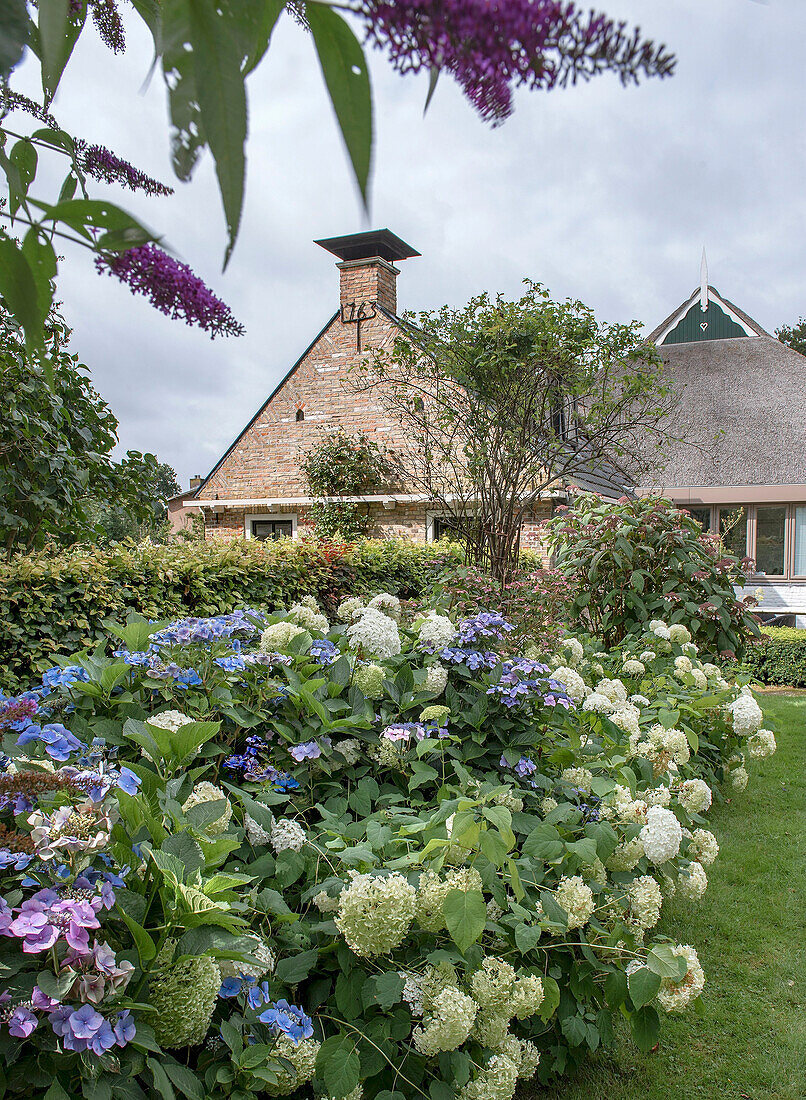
779,657
55,602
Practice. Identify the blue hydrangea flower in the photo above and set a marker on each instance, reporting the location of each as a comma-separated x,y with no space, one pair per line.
288,1020
487,624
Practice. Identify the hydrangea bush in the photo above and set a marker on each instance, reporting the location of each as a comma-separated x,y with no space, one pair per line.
378,856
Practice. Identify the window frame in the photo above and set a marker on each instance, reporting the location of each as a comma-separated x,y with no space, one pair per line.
789,573
273,517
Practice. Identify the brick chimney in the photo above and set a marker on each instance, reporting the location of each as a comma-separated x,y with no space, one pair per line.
368,274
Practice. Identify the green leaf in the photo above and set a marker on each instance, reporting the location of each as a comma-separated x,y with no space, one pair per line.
645,1027
297,967
55,987
383,989
14,30
668,718
56,1092
146,948
662,961
615,988
339,1065
19,290
58,34
222,103
551,997
184,1079
643,986
527,936
585,849
184,847
344,68
161,1081
544,843
465,915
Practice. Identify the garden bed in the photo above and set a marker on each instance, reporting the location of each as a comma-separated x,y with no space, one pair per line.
259,853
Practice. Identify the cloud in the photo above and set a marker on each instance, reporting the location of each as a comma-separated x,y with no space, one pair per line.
602,193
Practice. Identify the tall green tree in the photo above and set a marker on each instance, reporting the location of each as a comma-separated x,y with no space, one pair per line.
56,439
137,509
502,401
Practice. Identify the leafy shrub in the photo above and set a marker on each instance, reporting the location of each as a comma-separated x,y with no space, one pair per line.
56,602
638,560
538,600
778,656
379,859
340,464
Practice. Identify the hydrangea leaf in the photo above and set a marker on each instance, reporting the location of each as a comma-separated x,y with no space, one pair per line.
339,1065
643,985
465,915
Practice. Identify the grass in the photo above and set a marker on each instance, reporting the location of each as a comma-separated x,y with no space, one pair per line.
750,933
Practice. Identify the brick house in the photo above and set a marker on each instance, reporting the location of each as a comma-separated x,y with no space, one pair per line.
256,489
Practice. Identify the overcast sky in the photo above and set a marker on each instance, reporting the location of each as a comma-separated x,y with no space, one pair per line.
601,193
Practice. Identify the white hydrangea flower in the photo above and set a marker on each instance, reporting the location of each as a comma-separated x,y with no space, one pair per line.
761,744
436,679
208,792
703,847
348,608
661,836
325,903
614,690
694,796
578,777
598,703
387,603
172,720
375,912
746,713
683,664
232,968
574,649
301,1055
679,634
286,834
633,667
658,796
700,679
436,631
693,882
527,996
413,994
496,1081
369,680
690,648
351,749
647,656
574,684
710,670
375,633
277,636
432,891
255,833
676,996
660,630
645,901
448,1022
548,804
627,718
576,898
739,778
308,616
639,700
626,856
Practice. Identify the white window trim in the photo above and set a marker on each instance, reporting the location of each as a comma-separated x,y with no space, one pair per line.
250,516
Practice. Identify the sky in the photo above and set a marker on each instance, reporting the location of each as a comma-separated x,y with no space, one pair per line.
601,193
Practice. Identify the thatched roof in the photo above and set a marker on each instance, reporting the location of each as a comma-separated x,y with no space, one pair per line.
749,392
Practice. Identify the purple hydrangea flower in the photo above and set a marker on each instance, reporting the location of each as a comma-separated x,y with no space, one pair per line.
171,287
22,1022
474,659
323,651
59,742
308,750
487,624
63,677
124,1028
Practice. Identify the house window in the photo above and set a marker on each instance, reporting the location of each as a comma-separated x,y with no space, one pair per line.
799,540
702,516
770,540
300,415
445,527
733,529
270,527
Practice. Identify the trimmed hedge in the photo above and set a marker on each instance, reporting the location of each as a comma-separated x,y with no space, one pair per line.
54,603
779,656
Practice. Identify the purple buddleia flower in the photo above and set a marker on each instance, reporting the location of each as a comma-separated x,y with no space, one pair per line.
492,47
171,287
103,165
108,23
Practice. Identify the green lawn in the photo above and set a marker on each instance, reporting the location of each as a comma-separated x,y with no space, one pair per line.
750,933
